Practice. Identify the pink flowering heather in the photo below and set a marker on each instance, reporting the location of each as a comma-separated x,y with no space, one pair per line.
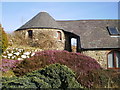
8,64
76,61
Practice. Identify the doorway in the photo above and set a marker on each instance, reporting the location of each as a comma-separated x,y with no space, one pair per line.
74,44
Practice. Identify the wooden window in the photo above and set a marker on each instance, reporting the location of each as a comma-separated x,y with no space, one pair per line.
118,60
114,59
59,35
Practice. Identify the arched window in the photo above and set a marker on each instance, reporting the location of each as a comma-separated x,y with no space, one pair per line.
59,35
30,34
114,59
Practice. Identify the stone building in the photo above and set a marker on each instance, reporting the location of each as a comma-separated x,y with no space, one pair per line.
99,39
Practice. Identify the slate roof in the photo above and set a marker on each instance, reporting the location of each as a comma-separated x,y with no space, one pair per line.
41,20
93,33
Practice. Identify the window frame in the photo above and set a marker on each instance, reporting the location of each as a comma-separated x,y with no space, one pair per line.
114,61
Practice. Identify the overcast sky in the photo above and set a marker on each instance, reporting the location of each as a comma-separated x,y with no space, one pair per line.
15,14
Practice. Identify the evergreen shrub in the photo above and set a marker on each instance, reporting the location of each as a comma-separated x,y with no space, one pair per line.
52,76
4,39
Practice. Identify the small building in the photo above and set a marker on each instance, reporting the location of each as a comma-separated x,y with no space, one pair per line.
99,39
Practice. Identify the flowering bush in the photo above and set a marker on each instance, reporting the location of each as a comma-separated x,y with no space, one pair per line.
18,53
78,62
8,64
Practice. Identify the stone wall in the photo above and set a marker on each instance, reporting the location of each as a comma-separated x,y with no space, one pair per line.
100,56
45,39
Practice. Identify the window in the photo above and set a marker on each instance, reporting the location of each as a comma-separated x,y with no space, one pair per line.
113,31
59,35
30,33
114,59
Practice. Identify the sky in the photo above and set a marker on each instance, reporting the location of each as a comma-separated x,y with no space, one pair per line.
15,14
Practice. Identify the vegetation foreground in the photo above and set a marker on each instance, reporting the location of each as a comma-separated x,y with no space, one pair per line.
35,68
79,71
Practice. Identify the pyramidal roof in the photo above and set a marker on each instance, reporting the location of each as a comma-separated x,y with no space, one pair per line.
41,20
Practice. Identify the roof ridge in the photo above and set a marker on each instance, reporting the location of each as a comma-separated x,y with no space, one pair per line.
88,20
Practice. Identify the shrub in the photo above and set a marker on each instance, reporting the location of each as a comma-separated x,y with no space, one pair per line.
100,79
53,76
76,61
8,64
4,39
17,39
29,65
8,74
14,82
79,63
115,83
